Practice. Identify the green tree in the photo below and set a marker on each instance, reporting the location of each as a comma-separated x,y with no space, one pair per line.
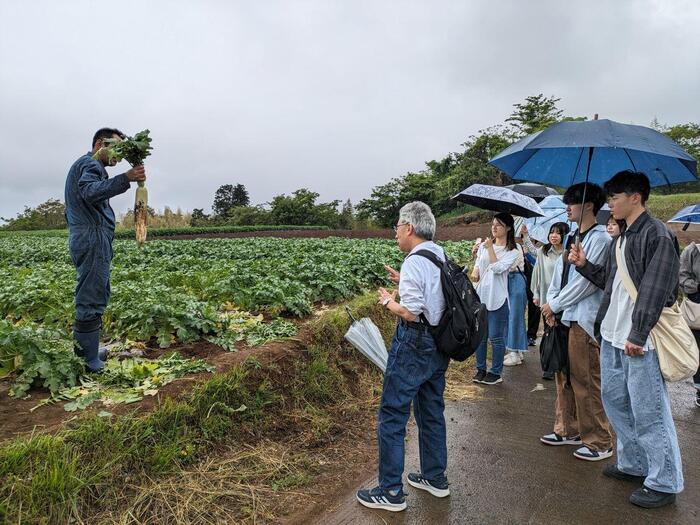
535,114
347,216
301,209
229,196
49,215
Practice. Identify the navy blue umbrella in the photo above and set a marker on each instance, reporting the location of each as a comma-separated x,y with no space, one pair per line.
567,153
688,215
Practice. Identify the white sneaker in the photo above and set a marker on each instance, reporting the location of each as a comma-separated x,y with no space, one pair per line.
587,454
512,359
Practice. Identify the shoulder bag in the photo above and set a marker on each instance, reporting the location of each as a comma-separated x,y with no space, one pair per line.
672,338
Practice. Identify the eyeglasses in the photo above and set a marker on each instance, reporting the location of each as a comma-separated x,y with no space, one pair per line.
396,228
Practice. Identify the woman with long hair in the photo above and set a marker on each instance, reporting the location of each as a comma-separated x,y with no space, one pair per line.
547,257
494,258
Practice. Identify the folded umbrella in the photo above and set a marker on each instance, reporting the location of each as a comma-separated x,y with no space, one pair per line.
499,199
366,337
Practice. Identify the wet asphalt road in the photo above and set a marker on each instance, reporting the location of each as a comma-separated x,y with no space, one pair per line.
499,472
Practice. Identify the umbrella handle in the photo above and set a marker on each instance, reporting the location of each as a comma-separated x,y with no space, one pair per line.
347,309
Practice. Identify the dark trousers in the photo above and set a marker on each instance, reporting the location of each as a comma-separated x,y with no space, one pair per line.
533,320
696,377
415,372
91,253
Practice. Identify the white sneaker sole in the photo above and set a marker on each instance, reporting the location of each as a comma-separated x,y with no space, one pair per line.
604,455
558,443
383,506
438,493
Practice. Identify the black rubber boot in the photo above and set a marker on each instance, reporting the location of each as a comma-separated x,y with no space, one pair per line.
89,343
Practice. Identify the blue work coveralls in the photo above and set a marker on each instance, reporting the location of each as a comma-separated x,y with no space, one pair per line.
91,225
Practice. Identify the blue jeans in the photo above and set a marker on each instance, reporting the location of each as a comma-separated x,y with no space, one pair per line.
517,301
497,333
637,404
415,371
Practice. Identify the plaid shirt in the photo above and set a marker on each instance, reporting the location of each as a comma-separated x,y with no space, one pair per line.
651,254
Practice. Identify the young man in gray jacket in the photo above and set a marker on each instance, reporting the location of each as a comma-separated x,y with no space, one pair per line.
634,391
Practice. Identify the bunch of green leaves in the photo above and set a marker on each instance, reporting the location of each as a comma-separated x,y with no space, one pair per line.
41,355
134,149
239,325
127,381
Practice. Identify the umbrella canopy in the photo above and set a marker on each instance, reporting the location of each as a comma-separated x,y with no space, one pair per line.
603,215
567,153
497,198
689,214
554,211
537,192
366,337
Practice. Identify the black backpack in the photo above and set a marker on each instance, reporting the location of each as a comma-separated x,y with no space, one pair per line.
463,325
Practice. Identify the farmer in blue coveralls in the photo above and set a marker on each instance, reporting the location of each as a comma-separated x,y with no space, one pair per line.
91,225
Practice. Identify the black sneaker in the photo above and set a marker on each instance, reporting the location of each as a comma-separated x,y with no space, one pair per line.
491,379
612,471
379,498
438,489
531,341
650,498
549,376
479,377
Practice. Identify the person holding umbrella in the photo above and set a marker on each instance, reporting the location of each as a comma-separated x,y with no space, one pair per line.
574,301
494,258
634,392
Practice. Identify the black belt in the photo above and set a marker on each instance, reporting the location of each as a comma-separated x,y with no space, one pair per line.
414,324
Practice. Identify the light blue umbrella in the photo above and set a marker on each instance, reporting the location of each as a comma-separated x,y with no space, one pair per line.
567,153
554,211
689,214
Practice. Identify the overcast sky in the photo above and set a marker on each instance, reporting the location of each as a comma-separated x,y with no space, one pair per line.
335,96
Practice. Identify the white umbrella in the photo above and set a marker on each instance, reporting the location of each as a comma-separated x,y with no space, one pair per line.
499,199
366,337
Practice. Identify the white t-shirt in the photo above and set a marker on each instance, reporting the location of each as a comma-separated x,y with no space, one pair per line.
617,324
493,277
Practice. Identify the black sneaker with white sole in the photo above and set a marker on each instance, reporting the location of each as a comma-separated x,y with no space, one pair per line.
556,439
651,499
439,489
379,498
479,377
491,379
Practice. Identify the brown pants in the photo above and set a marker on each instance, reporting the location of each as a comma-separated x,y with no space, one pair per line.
579,408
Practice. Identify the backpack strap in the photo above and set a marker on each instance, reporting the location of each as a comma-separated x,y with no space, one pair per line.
430,256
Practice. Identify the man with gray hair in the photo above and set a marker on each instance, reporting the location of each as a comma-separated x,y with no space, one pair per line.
415,370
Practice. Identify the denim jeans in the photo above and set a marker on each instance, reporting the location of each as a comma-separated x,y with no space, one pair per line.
637,404
517,303
497,334
415,371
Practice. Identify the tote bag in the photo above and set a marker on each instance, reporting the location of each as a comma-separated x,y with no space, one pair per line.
673,340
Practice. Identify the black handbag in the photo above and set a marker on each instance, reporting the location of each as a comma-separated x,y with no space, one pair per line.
554,347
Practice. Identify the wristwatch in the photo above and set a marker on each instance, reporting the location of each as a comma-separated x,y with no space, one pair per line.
386,301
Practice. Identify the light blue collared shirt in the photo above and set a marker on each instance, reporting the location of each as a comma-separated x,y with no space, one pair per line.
580,299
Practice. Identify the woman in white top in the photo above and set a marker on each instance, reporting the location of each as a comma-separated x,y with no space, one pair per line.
494,257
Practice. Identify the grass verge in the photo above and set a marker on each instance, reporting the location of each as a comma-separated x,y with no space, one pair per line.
256,425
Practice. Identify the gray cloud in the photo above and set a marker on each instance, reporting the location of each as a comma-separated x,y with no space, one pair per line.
333,96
